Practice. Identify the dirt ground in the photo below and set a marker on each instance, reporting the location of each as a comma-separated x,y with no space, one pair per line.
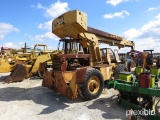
28,100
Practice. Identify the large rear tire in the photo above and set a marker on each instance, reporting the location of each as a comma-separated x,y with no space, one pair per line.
119,68
93,86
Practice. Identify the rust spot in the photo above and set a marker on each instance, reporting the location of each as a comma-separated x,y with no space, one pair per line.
81,75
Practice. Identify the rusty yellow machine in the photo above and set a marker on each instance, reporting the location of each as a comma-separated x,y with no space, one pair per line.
29,64
143,59
7,56
10,57
83,67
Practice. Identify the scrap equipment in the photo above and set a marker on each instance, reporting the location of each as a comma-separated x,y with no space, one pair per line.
143,59
83,67
138,93
29,63
7,56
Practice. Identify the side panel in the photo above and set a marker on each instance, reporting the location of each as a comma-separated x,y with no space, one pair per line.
105,71
48,79
81,75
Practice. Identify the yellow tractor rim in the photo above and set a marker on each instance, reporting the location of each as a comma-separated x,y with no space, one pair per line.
94,84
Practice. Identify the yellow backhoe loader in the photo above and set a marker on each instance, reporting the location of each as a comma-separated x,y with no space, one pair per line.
83,67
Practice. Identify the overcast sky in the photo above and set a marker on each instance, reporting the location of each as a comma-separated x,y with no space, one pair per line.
30,20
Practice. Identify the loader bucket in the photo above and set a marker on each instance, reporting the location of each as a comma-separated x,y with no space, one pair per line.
17,75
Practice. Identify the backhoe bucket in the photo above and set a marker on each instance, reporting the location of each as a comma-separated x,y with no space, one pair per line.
17,75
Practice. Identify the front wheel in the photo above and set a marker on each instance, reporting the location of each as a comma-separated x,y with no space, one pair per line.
93,86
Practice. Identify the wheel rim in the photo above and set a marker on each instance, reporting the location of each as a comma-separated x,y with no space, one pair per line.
94,84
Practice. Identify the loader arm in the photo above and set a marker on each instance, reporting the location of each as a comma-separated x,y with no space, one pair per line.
39,59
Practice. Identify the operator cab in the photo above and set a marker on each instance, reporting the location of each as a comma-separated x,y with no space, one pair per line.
108,56
70,46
